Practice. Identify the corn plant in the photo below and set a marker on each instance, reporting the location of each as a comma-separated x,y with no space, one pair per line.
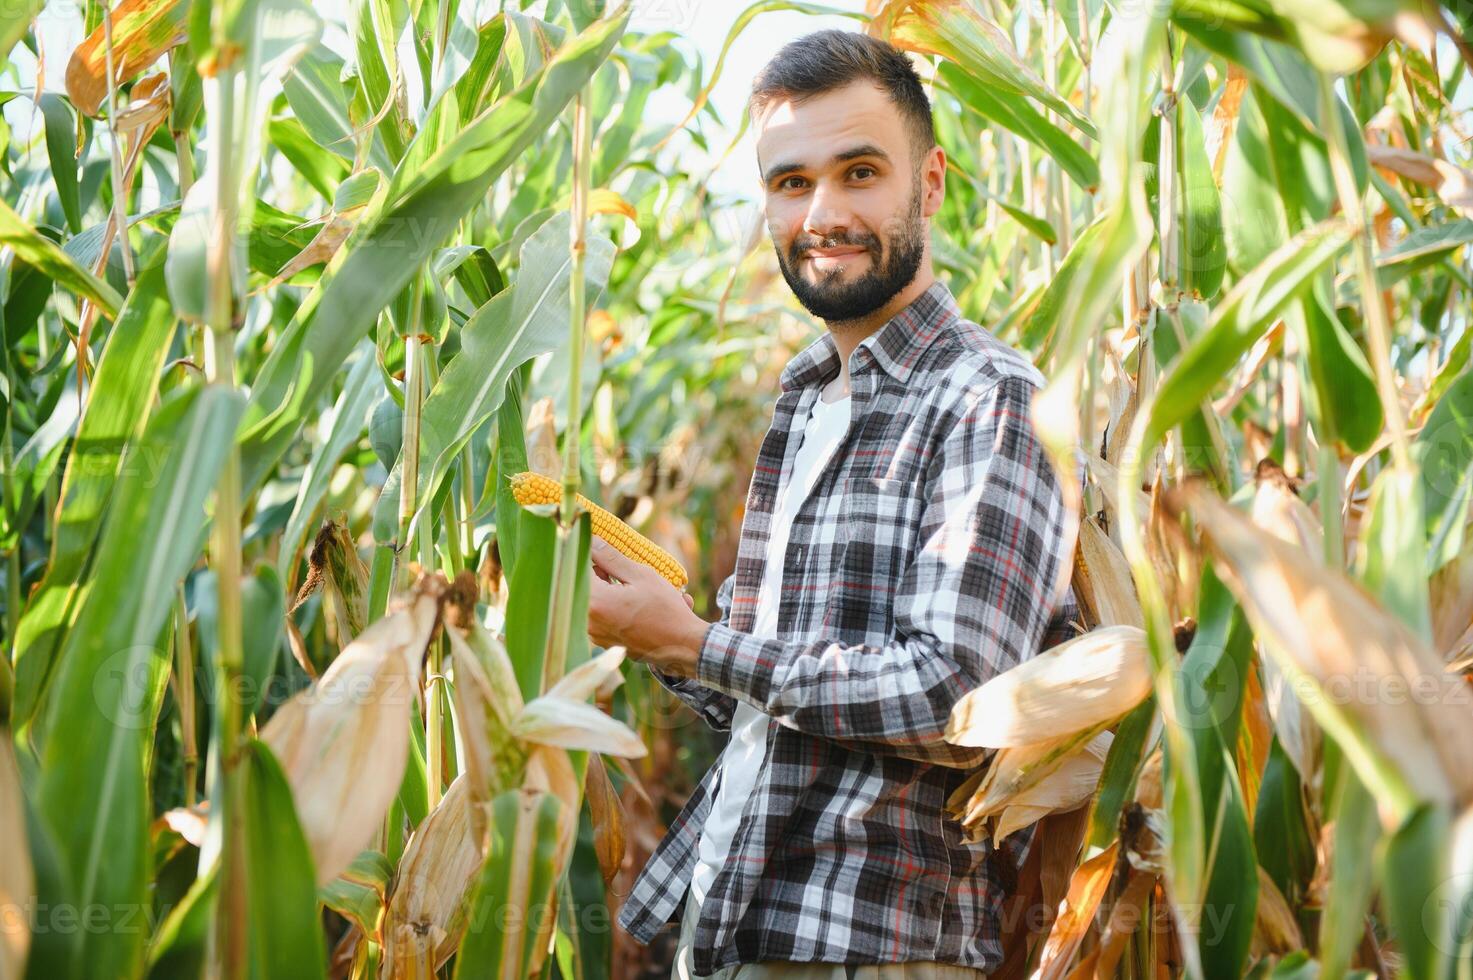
295,685
213,402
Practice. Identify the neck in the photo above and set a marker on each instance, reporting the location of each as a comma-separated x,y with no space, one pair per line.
848,333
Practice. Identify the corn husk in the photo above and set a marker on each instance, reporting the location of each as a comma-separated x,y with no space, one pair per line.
541,437
488,699
1327,631
1460,656
1010,772
1450,597
1148,783
1107,477
549,770
569,724
342,742
1127,913
334,567
1016,817
1086,890
597,675
1102,581
426,912
1275,929
1168,570
1087,681
1279,510
1068,785
606,814
1124,403
190,823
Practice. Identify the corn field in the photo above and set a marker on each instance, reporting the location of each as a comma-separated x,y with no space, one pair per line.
294,685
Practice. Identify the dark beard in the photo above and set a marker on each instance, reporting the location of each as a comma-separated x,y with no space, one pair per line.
838,301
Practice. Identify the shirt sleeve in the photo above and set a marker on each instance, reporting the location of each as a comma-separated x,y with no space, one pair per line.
973,601
714,708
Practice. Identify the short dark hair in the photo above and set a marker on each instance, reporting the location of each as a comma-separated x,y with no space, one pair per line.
826,60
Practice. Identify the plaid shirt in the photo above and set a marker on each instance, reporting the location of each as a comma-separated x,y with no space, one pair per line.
918,567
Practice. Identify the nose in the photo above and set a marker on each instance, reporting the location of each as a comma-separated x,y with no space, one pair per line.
827,215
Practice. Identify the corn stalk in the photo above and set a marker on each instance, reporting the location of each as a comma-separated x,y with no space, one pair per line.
565,567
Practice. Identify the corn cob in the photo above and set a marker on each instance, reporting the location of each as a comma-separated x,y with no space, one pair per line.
1089,680
534,488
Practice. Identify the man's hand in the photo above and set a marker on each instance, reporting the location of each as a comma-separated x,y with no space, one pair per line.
633,606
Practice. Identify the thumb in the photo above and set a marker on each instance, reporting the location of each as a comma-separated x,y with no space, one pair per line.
611,559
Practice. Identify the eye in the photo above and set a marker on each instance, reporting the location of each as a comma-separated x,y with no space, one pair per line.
784,185
863,171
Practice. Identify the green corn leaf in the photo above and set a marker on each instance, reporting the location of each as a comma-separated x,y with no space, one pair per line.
386,248
282,932
94,791
122,395
47,256
1238,319
518,879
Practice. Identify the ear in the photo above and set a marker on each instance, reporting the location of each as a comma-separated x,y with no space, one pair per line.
933,180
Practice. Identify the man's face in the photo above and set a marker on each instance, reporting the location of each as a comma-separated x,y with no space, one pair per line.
846,202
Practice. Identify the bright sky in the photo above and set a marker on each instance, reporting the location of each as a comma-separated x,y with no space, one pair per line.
704,25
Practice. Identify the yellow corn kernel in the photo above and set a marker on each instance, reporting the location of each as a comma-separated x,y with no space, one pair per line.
534,488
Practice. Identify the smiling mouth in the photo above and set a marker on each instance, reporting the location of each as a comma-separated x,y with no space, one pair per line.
833,258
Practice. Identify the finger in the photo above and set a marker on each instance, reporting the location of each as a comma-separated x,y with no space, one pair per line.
614,561
690,601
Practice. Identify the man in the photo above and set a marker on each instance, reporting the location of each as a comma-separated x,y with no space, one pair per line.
902,533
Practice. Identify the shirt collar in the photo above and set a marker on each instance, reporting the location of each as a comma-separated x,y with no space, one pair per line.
896,347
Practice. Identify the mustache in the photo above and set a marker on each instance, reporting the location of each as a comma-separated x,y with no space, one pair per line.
801,245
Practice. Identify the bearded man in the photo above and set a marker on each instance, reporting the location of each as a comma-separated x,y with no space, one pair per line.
902,535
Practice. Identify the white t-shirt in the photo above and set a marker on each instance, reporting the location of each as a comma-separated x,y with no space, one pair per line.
742,758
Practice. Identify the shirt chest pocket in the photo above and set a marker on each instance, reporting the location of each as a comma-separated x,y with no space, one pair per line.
878,540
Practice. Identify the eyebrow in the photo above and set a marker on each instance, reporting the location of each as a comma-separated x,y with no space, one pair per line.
863,150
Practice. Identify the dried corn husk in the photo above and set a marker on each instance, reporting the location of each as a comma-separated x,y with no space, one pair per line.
1010,772
598,674
1124,403
1069,785
1102,580
553,720
1087,681
1148,783
426,913
1127,916
1460,656
1278,509
343,741
1327,631
1017,817
1275,929
606,814
1451,601
1086,890
1107,478
541,437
